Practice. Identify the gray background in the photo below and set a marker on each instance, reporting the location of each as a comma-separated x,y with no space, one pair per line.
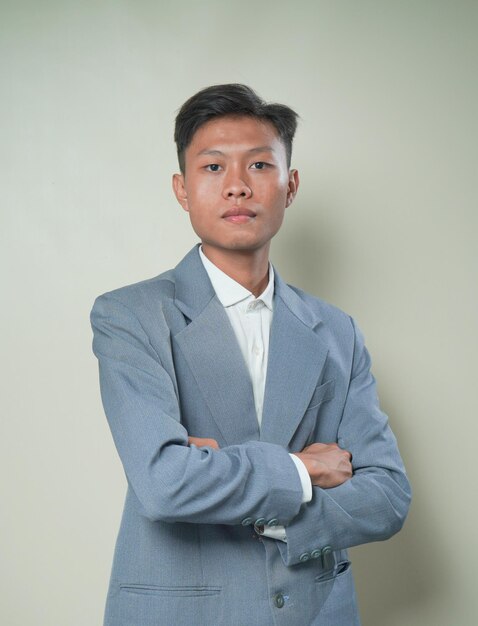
384,226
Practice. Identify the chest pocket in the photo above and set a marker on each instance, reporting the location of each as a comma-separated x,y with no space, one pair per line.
322,393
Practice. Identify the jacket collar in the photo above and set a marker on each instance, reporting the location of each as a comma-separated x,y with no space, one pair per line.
194,290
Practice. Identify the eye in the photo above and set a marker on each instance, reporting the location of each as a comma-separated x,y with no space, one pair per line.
213,167
259,165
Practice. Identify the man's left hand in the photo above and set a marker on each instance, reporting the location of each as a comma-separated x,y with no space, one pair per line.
203,441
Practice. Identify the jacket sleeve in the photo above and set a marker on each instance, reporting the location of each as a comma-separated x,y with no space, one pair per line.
173,481
373,504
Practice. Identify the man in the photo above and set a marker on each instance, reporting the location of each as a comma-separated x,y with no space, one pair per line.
243,409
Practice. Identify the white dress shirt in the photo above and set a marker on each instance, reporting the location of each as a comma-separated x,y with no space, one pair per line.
251,320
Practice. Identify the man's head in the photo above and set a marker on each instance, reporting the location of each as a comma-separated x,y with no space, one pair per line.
235,181
233,100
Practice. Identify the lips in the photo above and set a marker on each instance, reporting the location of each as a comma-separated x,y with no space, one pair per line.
238,212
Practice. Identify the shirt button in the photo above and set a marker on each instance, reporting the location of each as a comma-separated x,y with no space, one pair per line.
256,350
279,600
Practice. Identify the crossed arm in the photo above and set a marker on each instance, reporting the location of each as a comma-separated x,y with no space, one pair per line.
176,482
327,464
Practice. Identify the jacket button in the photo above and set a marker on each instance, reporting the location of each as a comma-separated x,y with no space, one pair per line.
305,556
315,554
247,521
327,557
279,600
260,521
273,522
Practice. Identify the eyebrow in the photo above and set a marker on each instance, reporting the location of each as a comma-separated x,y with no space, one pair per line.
251,151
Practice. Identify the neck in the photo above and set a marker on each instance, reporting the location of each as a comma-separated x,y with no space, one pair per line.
249,268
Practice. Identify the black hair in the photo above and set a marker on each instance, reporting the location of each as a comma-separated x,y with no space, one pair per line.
231,99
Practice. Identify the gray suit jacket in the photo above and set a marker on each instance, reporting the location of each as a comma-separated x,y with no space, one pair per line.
186,552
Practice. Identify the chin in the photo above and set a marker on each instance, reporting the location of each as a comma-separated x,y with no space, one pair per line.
246,246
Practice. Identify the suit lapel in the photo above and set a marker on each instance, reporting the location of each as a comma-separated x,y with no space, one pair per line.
296,359
211,350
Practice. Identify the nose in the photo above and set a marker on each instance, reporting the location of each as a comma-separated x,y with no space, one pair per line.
236,187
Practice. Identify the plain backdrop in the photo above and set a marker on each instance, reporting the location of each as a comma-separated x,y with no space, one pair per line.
384,226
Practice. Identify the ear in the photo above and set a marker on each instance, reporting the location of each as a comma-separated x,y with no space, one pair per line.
180,190
293,186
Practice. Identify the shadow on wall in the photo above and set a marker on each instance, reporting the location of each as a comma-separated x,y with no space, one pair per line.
397,577
310,249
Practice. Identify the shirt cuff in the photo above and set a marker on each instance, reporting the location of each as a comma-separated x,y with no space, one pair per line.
304,479
275,532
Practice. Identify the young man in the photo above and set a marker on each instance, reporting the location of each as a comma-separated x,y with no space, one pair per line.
243,409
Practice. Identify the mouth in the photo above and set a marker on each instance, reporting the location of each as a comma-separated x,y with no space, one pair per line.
238,215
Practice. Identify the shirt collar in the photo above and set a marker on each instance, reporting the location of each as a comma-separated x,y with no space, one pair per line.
229,291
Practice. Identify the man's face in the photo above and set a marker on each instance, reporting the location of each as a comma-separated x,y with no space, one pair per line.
236,184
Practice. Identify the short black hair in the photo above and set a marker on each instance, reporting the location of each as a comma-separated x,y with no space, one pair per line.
233,99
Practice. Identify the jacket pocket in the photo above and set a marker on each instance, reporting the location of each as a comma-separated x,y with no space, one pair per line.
331,574
170,591
322,393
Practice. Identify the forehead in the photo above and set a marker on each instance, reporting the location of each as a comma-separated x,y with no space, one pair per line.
235,133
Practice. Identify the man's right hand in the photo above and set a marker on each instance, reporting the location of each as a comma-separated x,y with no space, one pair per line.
327,464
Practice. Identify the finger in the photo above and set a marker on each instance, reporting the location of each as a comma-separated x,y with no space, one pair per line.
198,441
315,447
201,442
347,454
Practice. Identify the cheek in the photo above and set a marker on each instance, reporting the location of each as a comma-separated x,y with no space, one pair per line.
202,195
274,190
277,202
199,223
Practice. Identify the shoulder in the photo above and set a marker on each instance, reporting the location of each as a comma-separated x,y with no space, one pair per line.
320,306
337,329
333,325
137,310
323,310
142,293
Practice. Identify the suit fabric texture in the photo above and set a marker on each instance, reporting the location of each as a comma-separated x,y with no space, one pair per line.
187,553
